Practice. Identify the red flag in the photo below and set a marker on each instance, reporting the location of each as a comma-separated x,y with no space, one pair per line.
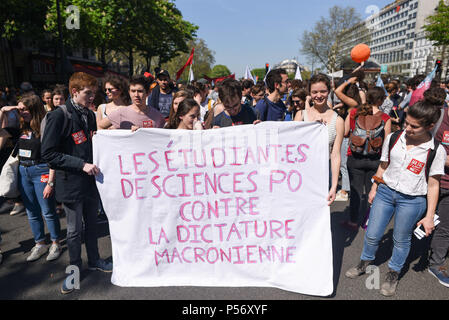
189,62
418,94
220,79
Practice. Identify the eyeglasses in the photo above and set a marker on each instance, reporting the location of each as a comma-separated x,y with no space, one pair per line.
296,101
231,108
110,90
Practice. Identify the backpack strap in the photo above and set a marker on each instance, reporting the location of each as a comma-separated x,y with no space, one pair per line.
430,157
67,117
393,140
439,122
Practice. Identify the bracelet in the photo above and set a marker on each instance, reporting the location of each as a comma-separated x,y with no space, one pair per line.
377,180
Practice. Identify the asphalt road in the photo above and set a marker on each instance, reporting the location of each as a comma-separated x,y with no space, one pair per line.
22,280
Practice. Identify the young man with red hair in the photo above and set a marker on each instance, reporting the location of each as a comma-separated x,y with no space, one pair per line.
67,147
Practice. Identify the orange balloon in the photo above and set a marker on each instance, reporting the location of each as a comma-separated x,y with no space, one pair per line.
360,53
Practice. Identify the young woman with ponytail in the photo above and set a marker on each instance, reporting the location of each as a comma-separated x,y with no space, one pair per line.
362,166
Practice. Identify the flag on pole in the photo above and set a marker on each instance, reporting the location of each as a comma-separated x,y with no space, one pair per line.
248,74
418,94
380,83
188,63
265,79
298,75
191,76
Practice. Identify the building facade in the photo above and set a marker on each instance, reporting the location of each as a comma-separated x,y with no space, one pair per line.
290,66
396,37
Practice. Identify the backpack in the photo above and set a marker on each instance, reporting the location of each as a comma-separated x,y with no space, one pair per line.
67,117
368,135
430,155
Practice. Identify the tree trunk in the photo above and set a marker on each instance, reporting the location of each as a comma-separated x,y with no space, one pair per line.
103,58
148,64
131,63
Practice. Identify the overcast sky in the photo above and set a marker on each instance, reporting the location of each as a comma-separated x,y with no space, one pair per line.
254,32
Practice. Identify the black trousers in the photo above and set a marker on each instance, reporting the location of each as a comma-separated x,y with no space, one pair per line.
361,171
76,213
440,240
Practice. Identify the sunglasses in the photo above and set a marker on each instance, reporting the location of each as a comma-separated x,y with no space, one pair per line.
110,90
296,102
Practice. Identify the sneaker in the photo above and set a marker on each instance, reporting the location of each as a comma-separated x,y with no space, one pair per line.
37,252
6,206
54,252
341,196
388,288
65,288
18,208
359,270
441,274
101,265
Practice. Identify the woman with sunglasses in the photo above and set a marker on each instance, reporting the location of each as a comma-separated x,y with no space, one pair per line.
296,102
116,93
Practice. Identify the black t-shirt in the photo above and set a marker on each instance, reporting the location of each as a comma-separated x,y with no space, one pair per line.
245,116
29,147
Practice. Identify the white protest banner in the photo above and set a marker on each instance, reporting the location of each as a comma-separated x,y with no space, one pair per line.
243,206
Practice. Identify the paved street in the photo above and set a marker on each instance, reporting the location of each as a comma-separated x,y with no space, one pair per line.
41,279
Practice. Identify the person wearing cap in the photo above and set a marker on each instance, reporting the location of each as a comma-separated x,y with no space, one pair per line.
162,95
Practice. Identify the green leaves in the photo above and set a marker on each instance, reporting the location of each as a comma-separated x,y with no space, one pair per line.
437,28
149,27
219,71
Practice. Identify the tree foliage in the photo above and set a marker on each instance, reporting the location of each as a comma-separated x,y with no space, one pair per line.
150,28
437,28
322,42
219,71
259,73
22,18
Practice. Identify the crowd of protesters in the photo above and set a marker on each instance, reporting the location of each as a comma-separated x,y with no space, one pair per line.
391,155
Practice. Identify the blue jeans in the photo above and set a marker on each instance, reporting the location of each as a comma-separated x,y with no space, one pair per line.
408,210
31,189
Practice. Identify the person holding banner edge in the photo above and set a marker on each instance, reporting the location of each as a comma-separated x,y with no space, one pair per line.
317,109
68,150
138,114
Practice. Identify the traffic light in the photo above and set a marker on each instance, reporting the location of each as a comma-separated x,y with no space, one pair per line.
439,66
267,67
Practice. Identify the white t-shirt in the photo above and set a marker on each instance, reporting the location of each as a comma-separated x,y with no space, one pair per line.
407,170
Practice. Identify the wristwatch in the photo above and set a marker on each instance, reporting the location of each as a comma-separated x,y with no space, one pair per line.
51,184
